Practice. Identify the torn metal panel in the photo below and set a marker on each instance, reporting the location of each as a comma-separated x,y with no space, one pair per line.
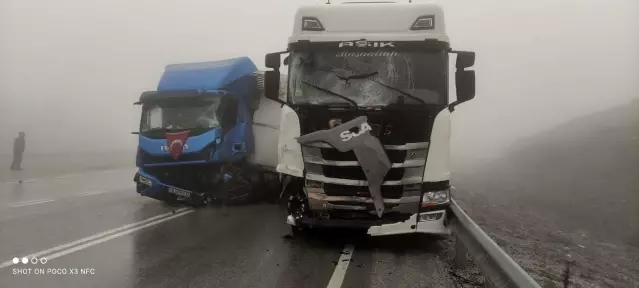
355,135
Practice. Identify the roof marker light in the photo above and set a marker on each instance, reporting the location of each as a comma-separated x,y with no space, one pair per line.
424,23
311,24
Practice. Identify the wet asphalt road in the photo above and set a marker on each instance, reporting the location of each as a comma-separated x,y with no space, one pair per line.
96,229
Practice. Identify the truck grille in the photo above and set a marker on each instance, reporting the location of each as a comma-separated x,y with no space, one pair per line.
389,218
404,134
356,173
390,192
342,175
395,156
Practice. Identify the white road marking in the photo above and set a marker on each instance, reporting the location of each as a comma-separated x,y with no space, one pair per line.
98,241
29,180
40,201
157,218
340,269
28,201
95,192
66,176
22,181
32,202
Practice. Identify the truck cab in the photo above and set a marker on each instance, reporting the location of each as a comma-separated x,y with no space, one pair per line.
365,125
198,120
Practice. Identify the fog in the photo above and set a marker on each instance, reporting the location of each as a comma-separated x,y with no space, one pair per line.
70,70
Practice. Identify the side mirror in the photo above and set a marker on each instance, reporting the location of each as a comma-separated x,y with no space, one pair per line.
273,61
272,86
465,85
465,59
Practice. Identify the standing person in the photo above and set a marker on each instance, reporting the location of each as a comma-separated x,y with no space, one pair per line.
18,150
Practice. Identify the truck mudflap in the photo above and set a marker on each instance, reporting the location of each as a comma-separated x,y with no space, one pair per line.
355,136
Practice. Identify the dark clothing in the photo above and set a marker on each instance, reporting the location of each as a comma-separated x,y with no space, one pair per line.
17,161
18,145
18,149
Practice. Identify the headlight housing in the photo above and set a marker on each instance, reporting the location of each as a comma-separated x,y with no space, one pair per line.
145,181
433,198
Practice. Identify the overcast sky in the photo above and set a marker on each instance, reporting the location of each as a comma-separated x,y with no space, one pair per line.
70,69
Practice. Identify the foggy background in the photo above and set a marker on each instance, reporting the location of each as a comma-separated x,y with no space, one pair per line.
70,70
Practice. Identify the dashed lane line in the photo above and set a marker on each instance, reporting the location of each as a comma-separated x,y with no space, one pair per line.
342,266
31,202
94,192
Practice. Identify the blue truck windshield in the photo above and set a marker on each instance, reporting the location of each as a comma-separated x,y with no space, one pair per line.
368,78
180,115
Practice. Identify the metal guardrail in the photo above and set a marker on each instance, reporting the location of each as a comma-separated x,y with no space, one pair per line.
498,269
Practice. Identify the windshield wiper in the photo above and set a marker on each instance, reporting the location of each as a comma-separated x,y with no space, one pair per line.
366,76
400,91
168,130
346,78
332,93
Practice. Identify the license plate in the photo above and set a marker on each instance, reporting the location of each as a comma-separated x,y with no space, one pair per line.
180,192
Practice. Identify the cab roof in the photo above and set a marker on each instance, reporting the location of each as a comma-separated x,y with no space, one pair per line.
373,21
205,76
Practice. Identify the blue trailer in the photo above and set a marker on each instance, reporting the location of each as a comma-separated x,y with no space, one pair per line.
197,134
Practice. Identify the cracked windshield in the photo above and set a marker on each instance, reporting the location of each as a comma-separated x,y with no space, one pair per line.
368,78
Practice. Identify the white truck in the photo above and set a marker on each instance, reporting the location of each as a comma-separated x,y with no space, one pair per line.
365,125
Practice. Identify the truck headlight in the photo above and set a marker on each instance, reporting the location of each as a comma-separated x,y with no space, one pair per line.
433,198
145,181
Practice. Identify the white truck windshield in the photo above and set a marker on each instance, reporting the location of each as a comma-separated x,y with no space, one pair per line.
368,78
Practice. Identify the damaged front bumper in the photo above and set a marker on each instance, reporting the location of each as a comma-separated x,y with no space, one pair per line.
434,223
149,186
403,215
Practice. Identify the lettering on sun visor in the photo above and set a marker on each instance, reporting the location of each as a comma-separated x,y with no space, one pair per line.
367,44
367,54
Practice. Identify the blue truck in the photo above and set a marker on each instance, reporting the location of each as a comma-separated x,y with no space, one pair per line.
198,130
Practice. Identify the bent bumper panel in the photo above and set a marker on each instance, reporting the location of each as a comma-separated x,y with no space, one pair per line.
433,223
149,186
